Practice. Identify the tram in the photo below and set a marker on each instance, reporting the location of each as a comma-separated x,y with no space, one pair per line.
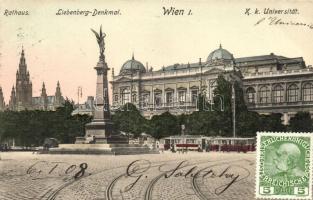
232,144
204,143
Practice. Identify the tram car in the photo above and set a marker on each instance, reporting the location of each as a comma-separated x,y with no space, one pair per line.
232,144
184,142
204,143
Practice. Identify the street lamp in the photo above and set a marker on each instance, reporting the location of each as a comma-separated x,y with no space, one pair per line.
79,94
234,108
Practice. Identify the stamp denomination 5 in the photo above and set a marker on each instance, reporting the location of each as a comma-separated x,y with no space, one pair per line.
284,165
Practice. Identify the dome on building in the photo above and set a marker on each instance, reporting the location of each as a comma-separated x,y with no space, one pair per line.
220,54
132,66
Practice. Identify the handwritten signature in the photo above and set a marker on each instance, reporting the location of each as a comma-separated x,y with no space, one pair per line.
279,21
139,170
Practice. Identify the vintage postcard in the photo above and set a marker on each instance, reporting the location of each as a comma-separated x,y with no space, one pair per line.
159,99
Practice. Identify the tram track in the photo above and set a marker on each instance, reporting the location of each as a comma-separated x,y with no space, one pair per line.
195,186
53,195
148,195
150,188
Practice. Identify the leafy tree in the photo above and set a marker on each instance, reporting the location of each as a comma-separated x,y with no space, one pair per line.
30,128
301,122
272,122
248,124
164,125
224,91
129,120
223,94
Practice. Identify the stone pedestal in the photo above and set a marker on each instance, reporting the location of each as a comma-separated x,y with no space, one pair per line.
103,149
99,130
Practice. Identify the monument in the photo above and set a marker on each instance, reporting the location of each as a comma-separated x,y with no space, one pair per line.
100,137
101,127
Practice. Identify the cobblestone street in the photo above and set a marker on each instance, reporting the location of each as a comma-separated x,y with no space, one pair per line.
164,176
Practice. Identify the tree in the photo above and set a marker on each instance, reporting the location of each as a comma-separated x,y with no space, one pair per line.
248,124
224,90
30,128
164,125
301,122
129,120
272,122
224,122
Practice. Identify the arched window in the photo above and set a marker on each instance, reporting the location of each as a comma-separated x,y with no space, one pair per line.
292,93
250,95
308,92
278,94
264,94
125,96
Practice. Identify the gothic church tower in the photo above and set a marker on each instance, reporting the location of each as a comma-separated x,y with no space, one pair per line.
23,86
12,103
44,98
58,99
2,103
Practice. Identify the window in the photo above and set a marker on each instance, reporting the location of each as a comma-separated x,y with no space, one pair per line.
125,96
308,92
145,99
181,97
251,95
169,98
116,97
194,97
278,94
264,94
212,87
134,98
292,93
157,99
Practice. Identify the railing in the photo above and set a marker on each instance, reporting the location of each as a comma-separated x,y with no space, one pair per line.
295,103
282,72
161,106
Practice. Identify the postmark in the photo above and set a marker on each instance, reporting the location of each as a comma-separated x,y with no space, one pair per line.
284,165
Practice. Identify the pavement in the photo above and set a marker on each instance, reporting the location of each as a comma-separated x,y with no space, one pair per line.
194,175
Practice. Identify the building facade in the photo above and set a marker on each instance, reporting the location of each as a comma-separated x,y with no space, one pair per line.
271,83
86,108
22,94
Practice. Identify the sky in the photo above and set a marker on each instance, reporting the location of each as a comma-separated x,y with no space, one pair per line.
62,47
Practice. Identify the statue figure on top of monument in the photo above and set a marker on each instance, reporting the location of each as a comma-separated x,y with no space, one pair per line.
100,39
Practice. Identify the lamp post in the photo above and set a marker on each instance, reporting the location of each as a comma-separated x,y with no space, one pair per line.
234,108
79,94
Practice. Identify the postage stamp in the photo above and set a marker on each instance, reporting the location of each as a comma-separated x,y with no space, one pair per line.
284,165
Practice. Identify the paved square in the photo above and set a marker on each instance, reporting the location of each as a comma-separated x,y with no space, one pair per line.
164,176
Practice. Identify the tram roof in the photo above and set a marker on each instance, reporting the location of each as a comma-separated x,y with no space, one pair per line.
211,138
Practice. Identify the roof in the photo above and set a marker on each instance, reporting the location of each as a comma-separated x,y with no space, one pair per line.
220,54
131,66
180,66
259,58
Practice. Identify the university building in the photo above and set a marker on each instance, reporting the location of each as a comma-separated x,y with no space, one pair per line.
22,94
271,84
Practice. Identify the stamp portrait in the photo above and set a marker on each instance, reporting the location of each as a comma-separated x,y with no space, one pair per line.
284,165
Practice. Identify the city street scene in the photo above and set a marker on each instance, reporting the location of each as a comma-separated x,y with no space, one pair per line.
156,100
